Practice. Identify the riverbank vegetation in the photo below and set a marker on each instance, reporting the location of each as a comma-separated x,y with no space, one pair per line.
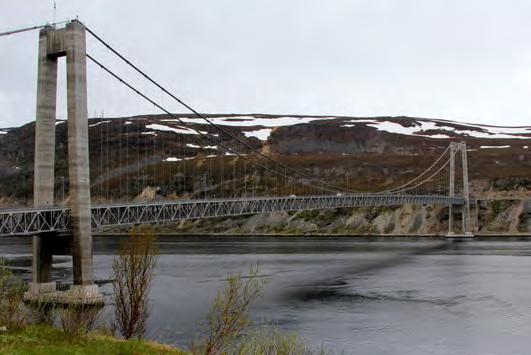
50,329
46,339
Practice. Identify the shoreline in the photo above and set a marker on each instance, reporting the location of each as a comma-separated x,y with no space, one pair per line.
484,236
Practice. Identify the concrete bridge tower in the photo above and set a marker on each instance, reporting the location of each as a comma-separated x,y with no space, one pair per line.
54,43
465,212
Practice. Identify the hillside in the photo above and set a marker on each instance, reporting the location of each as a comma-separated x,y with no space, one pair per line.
368,154
156,157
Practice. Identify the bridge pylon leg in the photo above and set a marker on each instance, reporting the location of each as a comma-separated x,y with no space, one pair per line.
43,186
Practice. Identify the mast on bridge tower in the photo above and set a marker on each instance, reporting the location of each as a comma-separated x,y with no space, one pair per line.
66,42
454,149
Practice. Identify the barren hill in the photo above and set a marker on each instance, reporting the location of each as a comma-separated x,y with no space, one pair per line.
366,153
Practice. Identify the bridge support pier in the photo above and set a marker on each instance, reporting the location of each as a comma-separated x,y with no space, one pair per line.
55,43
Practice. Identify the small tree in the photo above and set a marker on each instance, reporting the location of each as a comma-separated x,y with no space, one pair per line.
229,315
133,271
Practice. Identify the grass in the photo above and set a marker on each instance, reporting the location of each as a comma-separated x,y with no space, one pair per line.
50,340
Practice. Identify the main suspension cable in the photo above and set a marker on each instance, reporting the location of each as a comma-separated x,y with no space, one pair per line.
32,28
401,187
427,179
202,134
225,132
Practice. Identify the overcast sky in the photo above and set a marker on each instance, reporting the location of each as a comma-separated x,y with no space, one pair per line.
466,60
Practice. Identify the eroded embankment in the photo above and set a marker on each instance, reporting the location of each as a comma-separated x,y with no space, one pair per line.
488,217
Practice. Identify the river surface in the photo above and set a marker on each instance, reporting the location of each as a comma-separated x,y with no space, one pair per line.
352,295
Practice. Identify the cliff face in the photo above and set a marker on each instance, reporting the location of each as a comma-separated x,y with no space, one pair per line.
490,217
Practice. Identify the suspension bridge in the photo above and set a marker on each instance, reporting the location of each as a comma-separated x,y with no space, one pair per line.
206,169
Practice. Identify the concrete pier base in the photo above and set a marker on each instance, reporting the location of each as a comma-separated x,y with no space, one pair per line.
77,295
35,289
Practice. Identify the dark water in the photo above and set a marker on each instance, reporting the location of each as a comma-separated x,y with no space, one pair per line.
392,296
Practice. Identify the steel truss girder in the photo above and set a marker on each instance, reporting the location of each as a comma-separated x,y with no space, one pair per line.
38,220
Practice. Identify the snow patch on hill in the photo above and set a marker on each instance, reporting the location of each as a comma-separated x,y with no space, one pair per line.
261,134
494,146
423,128
190,145
180,129
250,121
101,122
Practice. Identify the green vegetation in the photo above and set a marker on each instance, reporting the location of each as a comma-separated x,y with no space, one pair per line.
50,340
13,314
497,207
228,328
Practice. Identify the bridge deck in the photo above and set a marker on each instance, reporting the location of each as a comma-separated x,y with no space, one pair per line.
57,219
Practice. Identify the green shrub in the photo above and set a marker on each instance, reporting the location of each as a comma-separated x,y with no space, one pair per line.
13,313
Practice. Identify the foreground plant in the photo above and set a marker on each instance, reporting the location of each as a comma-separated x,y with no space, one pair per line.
229,314
229,330
133,271
272,341
78,319
13,313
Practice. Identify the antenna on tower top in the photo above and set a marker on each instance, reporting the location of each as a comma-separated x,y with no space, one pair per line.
54,13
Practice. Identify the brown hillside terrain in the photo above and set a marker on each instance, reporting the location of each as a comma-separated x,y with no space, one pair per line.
345,151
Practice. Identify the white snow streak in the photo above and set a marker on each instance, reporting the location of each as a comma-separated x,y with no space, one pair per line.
97,124
181,130
249,121
495,146
261,134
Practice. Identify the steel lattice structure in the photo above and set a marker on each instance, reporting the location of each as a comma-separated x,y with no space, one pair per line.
57,219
